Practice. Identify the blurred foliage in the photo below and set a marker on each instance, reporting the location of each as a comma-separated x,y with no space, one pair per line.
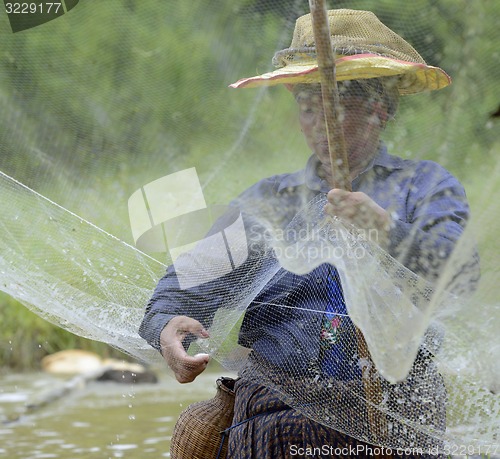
163,69
165,49
25,338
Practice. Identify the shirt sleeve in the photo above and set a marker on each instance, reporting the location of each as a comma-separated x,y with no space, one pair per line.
437,212
201,300
170,300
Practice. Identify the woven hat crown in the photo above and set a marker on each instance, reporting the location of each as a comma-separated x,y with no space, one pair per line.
352,32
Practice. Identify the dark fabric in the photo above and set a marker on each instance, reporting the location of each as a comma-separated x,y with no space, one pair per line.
264,427
337,360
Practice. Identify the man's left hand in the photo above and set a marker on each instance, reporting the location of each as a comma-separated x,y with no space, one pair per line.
358,209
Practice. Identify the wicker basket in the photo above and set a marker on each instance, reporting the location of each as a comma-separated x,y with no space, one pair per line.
197,432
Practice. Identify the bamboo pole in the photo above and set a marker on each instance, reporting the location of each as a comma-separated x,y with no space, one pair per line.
341,179
326,64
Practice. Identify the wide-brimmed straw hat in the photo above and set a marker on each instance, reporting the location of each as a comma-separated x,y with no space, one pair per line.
364,48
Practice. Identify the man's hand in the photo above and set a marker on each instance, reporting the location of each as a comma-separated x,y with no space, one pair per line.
185,367
358,209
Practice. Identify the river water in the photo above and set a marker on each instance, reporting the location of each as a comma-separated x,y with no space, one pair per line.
99,420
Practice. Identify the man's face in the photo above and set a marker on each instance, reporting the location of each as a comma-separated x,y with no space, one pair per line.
360,117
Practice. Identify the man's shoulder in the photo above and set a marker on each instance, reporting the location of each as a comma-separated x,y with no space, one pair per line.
434,173
271,186
419,169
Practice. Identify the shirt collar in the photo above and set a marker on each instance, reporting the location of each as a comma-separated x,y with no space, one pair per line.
387,161
309,176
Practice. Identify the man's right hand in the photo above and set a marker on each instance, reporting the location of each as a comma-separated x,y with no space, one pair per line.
185,367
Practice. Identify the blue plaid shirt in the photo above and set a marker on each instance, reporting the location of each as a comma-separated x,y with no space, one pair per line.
429,211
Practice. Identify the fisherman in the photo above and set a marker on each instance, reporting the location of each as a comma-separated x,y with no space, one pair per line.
418,210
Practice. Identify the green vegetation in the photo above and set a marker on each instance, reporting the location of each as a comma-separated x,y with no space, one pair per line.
25,338
117,94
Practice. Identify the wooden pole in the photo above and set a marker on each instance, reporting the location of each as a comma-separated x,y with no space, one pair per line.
331,104
341,179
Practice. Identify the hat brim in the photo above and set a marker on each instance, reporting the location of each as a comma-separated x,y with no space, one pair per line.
415,77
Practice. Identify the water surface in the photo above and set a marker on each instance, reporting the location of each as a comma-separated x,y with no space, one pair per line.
100,420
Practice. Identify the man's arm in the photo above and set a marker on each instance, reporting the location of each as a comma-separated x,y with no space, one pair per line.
422,239
167,327
176,316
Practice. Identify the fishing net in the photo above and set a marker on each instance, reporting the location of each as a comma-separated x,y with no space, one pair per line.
124,155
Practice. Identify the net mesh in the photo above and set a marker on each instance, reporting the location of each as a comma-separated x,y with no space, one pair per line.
123,153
